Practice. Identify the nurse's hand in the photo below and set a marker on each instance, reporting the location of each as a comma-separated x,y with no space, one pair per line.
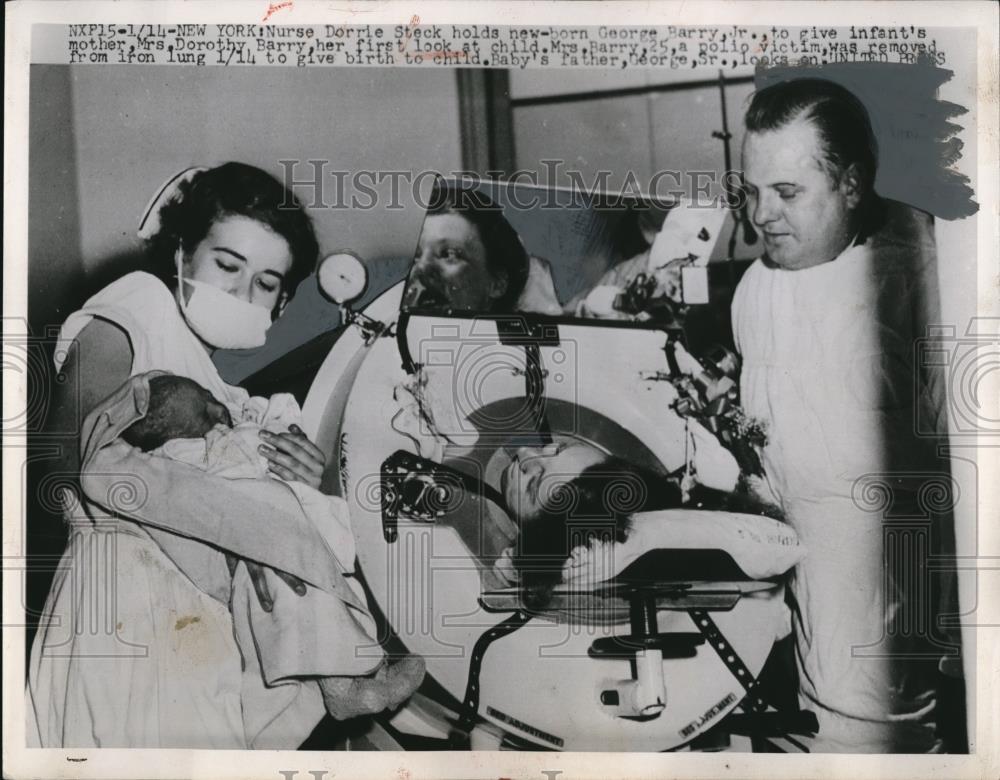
256,572
293,457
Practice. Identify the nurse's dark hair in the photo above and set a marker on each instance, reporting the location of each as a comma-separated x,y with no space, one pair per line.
844,128
599,504
234,190
505,254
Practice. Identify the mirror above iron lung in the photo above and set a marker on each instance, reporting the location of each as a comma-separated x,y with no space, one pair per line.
497,248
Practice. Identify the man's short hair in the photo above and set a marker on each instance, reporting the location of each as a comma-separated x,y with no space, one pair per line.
841,120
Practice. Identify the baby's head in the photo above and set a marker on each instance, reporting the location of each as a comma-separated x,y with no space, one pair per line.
179,408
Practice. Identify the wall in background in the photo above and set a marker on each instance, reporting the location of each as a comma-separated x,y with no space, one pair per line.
641,133
55,267
104,138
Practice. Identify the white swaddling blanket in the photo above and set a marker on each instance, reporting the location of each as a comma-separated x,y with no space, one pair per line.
232,453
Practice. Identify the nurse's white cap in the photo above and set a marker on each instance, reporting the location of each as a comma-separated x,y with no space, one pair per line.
149,225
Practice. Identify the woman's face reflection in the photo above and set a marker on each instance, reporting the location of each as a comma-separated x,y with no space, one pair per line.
450,268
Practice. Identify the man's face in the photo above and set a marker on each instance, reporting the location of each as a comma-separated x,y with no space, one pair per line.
804,217
449,270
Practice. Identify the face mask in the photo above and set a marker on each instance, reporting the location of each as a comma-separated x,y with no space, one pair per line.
220,319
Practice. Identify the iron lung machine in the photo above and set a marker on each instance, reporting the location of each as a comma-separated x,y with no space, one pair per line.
631,665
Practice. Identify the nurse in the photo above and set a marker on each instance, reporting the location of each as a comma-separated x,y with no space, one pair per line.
131,652
825,322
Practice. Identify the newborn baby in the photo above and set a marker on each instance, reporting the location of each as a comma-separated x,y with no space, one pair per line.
179,408
185,422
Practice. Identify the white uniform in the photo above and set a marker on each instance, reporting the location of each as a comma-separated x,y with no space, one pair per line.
828,366
137,646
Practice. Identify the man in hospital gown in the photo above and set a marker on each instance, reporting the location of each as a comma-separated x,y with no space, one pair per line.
826,323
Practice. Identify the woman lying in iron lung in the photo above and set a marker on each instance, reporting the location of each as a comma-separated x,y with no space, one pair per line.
584,516
571,513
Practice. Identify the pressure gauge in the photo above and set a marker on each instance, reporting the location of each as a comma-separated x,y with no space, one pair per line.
342,277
